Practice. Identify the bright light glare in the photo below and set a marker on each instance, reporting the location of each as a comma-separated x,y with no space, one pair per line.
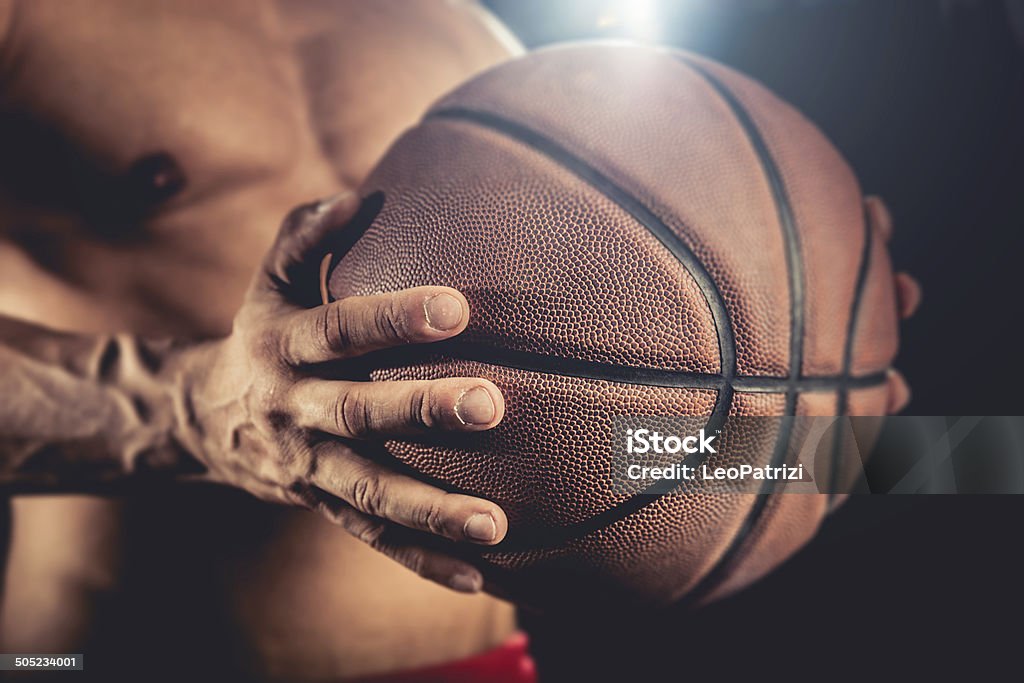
635,19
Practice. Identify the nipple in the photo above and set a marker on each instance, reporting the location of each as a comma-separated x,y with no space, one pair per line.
153,179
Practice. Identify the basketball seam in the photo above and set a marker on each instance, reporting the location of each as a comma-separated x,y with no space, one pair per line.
843,398
794,266
622,374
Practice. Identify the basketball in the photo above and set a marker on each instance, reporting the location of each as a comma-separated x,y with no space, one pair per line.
639,232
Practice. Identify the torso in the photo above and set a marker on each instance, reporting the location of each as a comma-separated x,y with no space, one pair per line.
150,154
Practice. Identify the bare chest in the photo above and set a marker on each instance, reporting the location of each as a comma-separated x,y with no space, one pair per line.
149,150
148,155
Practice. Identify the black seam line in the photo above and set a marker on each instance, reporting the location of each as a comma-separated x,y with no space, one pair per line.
843,400
627,374
794,267
609,188
671,241
794,260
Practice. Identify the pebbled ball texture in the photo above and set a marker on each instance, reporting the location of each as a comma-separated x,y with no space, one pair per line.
532,189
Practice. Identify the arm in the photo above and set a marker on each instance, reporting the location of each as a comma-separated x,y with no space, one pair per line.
256,410
83,412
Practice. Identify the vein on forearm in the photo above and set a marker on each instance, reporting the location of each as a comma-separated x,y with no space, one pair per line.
77,411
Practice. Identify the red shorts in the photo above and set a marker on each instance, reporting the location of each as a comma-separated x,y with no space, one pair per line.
510,662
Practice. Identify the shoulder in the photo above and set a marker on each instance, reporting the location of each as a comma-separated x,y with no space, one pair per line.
495,29
490,39
465,23
372,68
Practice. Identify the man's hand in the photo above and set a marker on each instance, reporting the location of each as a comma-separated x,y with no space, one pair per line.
259,417
908,298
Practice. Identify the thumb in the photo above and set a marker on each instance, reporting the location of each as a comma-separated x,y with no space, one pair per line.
291,267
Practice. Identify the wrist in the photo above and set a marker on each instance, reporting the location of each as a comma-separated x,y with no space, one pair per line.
189,374
148,387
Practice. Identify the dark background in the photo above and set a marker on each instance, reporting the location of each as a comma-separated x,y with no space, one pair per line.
926,100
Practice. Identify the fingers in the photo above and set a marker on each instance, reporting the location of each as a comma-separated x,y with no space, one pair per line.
908,291
878,216
908,298
376,491
292,262
358,325
430,564
899,392
360,410
908,295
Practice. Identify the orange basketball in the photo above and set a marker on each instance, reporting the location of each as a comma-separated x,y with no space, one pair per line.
639,232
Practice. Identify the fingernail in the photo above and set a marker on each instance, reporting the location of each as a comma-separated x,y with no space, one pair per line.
481,527
475,407
467,582
444,312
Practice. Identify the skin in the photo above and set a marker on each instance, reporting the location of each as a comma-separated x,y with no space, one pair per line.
156,328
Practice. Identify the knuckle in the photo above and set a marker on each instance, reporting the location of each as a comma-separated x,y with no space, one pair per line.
391,321
421,409
278,422
370,533
433,517
300,494
333,328
368,492
269,406
264,343
269,402
352,415
412,558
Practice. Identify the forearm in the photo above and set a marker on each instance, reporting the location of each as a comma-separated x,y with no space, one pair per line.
84,412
